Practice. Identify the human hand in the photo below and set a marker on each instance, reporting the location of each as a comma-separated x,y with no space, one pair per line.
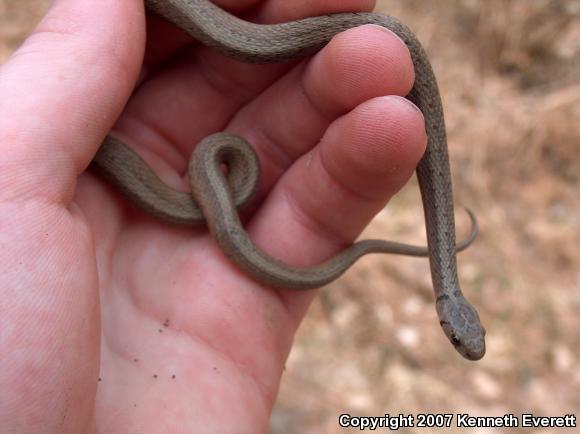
92,288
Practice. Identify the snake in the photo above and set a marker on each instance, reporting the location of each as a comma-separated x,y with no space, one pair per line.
216,197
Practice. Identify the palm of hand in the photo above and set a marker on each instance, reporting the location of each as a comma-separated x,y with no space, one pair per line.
179,337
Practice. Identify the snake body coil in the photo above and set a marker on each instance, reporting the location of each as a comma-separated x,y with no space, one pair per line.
250,42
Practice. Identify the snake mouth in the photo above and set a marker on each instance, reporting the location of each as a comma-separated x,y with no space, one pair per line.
474,355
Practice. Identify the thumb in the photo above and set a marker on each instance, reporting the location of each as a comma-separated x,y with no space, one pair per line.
61,91
59,94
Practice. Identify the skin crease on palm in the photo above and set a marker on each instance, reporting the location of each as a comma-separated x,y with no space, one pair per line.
181,341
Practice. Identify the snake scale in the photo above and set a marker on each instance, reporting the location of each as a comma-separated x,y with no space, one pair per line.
216,199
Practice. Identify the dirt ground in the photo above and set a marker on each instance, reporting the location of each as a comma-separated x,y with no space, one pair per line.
509,72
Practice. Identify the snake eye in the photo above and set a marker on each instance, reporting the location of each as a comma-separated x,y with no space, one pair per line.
454,339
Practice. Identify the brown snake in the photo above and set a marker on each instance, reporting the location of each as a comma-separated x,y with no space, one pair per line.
219,197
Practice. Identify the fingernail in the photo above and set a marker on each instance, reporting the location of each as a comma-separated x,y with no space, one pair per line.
406,101
385,29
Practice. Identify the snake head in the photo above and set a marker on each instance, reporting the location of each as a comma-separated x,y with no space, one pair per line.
461,325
